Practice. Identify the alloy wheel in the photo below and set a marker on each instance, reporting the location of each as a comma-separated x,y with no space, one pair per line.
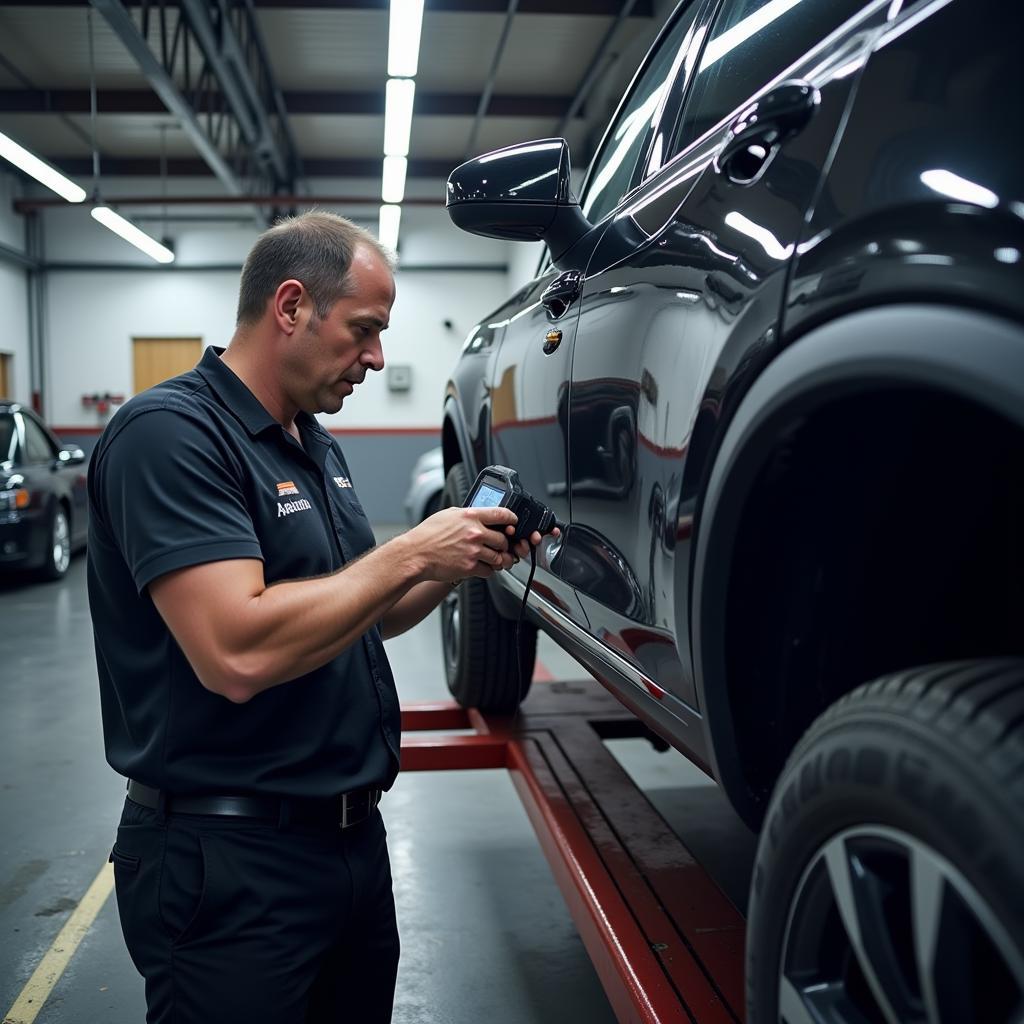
450,631
884,930
61,551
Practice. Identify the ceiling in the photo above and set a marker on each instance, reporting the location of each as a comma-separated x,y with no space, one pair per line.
279,97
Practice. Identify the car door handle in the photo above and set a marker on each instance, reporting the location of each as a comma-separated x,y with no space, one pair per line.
756,134
562,293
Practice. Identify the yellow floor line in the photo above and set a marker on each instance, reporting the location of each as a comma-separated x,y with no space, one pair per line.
38,988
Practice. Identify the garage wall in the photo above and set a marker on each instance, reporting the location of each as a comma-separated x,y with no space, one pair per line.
14,292
445,282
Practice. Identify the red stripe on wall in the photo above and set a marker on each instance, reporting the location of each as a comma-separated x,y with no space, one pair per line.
338,431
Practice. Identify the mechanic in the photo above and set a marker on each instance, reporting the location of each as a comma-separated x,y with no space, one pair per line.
239,607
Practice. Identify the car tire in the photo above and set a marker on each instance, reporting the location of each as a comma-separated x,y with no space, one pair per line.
893,838
58,550
480,646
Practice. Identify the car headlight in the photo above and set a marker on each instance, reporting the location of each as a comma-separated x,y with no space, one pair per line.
11,500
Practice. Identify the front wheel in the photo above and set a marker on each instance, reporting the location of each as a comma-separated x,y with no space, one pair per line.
480,649
889,881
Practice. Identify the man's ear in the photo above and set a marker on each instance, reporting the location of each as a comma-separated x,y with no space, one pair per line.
288,300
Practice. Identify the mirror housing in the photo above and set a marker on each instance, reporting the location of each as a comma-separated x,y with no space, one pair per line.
519,193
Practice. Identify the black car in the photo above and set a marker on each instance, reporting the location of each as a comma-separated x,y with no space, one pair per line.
770,377
43,508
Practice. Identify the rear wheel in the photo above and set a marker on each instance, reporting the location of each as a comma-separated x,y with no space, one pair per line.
889,881
58,551
479,644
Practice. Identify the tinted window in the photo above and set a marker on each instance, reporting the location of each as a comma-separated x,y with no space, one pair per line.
8,438
753,41
37,444
613,168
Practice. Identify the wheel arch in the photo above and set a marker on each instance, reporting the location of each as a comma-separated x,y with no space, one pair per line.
899,372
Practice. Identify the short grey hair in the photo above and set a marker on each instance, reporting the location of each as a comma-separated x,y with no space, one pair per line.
315,248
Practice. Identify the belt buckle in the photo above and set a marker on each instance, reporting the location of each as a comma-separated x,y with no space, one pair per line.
344,812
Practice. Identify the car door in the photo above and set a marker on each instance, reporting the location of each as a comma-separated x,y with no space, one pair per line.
529,394
680,306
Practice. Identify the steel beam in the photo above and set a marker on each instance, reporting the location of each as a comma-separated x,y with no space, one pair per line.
488,89
321,167
120,20
226,55
297,102
606,8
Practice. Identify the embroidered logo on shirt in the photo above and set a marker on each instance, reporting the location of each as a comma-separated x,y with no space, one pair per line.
287,487
343,481
286,508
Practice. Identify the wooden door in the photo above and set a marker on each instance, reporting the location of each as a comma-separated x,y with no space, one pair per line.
157,359
6,381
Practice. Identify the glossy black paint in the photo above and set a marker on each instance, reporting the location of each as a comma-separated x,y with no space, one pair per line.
884,166
520,193
56,477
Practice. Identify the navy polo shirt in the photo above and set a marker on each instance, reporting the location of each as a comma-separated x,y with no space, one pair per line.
196,470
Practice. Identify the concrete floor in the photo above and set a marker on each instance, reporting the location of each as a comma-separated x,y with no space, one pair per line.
486,934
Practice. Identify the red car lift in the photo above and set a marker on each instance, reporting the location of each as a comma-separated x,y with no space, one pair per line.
666,942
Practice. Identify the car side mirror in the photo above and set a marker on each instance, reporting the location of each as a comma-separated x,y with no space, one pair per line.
70,455
520,193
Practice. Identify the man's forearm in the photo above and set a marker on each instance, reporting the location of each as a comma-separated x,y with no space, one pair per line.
413,607
285,630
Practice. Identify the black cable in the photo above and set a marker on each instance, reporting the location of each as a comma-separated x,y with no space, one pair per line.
523,685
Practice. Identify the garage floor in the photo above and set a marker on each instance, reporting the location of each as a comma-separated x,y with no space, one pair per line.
486,934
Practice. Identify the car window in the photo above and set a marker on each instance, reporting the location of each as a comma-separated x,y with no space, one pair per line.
37,444
751,42
8,438
612,174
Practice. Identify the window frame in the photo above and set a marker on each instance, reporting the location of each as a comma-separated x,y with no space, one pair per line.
677,90
51,445
869,9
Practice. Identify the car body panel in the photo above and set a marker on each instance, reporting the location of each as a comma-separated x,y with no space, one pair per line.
879,233
692,290
668,332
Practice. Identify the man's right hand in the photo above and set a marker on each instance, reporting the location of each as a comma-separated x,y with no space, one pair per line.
459,542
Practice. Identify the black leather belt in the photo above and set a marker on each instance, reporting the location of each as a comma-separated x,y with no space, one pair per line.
337,812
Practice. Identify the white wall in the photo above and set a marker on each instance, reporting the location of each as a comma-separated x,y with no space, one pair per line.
93,315
14,292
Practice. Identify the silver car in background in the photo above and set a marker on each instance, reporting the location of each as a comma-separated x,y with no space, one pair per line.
425,486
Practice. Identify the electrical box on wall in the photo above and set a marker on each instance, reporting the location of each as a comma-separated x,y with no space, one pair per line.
399,377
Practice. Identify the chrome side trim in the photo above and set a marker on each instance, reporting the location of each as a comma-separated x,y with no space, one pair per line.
599,651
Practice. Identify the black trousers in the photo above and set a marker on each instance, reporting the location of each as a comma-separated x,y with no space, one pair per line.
229,920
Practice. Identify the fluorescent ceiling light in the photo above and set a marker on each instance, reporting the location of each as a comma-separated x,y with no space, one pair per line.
130,233
404,37
398,116
387,232
949,184
42,172
392,188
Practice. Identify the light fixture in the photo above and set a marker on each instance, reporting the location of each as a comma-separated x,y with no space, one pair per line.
42,172
398,100
387,232
130,233
393,185
404,37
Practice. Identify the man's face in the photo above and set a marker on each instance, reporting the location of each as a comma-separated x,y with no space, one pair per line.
334,354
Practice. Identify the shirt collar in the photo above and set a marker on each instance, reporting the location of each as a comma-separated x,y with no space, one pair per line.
233,393
246,406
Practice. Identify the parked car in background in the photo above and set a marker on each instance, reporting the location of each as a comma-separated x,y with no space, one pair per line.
425,486
771,378
43,506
